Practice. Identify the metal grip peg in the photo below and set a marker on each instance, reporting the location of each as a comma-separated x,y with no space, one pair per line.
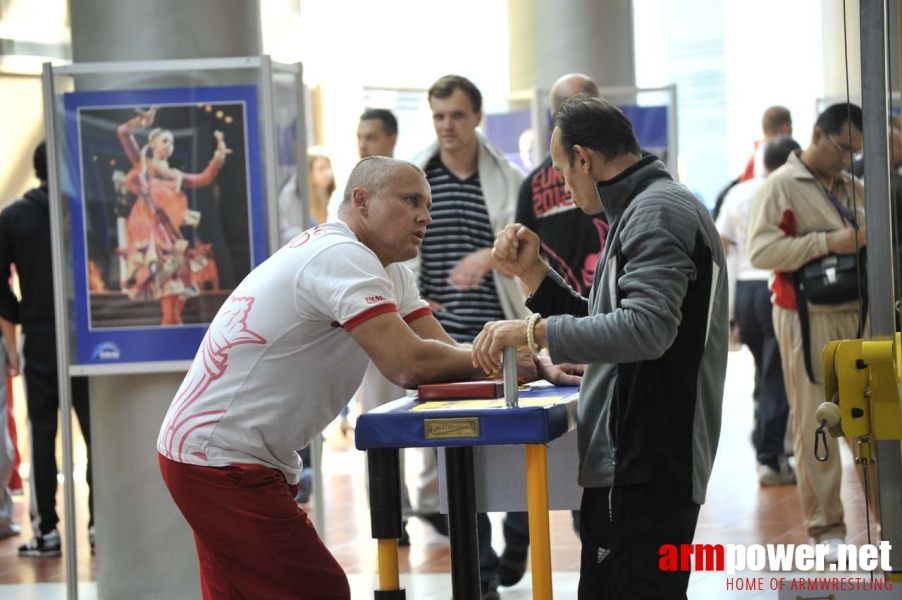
509,368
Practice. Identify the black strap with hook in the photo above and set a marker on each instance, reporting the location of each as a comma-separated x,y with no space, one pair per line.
819,435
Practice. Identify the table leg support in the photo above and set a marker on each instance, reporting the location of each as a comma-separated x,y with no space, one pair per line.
462,524
385,517
539,536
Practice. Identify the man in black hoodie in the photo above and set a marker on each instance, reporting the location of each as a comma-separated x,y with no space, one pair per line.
25,243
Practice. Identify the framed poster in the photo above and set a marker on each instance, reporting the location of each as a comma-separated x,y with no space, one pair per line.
168,215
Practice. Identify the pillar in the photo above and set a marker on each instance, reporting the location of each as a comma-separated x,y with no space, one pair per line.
550,39
145,549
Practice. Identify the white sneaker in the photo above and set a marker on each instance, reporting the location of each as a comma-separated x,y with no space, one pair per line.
47,545
9,529
833,544
768,475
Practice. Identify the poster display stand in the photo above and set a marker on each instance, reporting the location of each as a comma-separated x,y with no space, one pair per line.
163,181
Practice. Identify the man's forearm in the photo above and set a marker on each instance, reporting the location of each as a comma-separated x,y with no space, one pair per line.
438,362
554,297
533,277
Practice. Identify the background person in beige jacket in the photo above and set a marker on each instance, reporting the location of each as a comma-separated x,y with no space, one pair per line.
794,221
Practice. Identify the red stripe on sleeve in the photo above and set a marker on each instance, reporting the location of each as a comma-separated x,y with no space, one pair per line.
783,288
788,223
369,314
420,312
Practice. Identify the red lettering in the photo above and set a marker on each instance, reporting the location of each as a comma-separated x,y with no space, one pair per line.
304,237
746,583
546,179
547,200
668,560
548,192
685,554
709,557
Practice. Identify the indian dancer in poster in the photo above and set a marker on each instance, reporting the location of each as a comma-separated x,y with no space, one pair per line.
161,262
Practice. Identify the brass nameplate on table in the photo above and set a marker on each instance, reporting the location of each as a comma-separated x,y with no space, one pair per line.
451,429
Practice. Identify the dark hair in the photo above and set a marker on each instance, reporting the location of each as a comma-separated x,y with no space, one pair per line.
389,122
595,124
446,86
834,117
774,118
777,151
40,162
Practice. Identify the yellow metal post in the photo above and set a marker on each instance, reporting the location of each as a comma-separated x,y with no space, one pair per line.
539,535
389,579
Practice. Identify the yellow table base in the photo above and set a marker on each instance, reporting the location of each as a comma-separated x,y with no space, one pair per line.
389,579
539,535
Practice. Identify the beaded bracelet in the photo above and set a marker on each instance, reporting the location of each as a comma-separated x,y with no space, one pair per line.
531,332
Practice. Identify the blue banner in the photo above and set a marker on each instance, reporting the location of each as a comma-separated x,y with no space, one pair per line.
168,215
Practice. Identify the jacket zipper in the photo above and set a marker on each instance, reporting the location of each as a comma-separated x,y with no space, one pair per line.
611,490
611,504
612,426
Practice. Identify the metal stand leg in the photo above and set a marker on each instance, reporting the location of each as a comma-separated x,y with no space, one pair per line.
385,516
319,504
462,526
539,536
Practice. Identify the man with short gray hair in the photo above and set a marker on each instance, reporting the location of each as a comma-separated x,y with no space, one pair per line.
277,365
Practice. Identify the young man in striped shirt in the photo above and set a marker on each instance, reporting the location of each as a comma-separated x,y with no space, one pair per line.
474,195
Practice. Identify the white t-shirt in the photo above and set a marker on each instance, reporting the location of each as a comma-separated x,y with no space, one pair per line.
733,224
278,362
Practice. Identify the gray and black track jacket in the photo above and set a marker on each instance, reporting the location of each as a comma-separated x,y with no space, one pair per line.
654,335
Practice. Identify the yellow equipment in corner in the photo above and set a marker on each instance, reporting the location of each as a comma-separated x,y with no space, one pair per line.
861,388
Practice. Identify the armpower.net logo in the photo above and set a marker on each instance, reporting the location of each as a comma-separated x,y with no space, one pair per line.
783,558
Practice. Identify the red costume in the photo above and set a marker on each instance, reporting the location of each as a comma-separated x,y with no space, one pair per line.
160,264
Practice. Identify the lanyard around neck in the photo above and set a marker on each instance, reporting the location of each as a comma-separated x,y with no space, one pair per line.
844,212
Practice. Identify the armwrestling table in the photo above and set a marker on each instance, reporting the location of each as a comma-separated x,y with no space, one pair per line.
542,416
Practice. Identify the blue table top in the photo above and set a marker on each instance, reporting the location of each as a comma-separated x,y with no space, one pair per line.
544,414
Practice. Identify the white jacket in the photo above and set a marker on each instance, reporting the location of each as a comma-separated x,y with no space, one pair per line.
500,181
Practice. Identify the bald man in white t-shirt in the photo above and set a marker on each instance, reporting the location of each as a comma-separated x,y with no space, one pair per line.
280,360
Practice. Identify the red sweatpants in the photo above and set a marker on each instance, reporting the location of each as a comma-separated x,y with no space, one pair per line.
253,541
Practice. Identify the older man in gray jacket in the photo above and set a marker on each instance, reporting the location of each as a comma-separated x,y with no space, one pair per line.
654,336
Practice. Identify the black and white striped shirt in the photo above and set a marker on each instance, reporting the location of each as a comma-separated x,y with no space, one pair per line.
460,226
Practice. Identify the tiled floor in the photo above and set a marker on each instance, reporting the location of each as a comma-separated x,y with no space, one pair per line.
737,512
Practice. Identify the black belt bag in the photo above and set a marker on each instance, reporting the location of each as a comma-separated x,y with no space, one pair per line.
830,280
833,279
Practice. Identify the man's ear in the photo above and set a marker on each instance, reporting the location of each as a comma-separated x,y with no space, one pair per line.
360,198
582,159
817,134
